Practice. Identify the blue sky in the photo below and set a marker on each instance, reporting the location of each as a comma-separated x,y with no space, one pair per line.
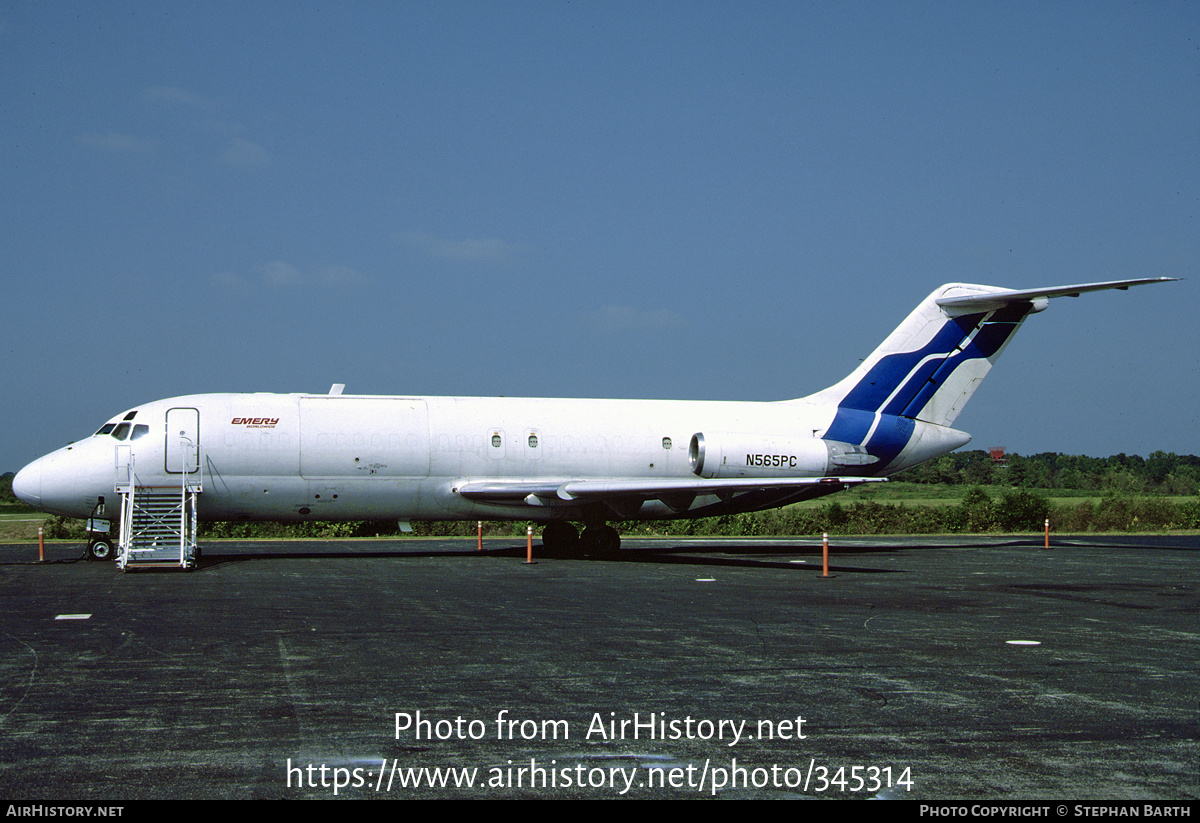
679,200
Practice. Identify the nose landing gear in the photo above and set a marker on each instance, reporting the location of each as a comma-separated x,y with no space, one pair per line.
100,549
100,545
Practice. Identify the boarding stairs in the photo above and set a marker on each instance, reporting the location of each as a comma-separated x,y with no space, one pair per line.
158,522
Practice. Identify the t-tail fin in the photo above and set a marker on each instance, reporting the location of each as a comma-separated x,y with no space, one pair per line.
928,368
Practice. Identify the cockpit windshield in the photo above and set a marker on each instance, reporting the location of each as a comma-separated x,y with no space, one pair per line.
120,430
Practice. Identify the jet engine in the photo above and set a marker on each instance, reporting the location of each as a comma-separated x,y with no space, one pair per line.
736,454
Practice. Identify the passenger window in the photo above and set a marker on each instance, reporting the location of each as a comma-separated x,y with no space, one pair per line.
533,441
140,431
666,442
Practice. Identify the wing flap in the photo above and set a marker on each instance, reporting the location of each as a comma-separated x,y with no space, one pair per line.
670,490
508,491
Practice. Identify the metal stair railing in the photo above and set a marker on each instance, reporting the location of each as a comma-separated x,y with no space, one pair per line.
158,523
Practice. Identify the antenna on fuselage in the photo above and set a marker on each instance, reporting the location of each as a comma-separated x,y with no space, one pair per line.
336,389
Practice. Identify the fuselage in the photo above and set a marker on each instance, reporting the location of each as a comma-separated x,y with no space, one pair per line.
343,457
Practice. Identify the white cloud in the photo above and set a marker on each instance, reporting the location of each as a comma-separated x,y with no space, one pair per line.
280,275
238,152
115,141
487,250
630,318
242,153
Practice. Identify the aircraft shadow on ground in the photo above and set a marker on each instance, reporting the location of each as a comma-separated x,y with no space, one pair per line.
727,554
757,554
744,556
748,556
210,559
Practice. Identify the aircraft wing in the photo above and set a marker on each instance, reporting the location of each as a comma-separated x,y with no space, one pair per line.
989,301
592,489
558,492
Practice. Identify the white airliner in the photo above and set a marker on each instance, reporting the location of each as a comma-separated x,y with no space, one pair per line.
327,457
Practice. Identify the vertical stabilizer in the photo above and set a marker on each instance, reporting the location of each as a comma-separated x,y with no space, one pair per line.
928,368
930,365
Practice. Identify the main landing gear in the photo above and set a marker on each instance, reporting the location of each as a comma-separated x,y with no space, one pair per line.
599,540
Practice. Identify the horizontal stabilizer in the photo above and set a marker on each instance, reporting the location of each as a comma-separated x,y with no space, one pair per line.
990,301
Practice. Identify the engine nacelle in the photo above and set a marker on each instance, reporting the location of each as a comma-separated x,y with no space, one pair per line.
726,454
734,454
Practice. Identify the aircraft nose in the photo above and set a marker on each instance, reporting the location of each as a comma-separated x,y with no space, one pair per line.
67,482
27,484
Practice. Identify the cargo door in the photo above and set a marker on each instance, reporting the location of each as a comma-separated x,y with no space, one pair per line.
363,437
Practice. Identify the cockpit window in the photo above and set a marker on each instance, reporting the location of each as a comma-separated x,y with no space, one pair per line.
121,430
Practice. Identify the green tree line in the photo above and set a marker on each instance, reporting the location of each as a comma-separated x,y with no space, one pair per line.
1012,510
1160,473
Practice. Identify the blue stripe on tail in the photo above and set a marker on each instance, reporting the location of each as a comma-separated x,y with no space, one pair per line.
990,339
900,385
877,386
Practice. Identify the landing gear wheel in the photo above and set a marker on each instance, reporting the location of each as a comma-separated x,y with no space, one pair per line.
600,541
560,539
100,550
194,560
